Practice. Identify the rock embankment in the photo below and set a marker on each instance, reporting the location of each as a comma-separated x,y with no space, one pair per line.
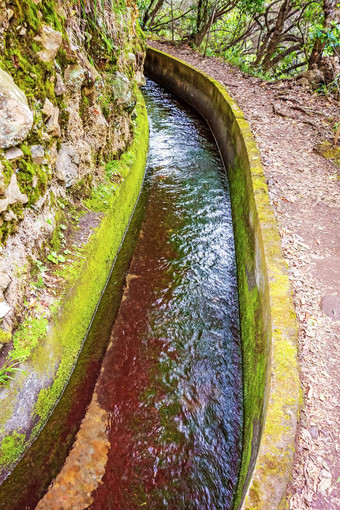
68,78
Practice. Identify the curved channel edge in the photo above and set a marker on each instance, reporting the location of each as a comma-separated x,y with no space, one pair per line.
268,322
56,356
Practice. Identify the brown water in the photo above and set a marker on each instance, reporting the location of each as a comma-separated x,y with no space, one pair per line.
172,384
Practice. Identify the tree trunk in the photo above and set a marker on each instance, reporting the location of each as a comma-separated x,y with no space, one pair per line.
319,45
275,38
153,13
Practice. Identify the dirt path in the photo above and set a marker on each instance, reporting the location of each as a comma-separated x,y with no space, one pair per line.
288,124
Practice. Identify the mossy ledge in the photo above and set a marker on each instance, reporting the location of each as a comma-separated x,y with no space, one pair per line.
52,362
268,324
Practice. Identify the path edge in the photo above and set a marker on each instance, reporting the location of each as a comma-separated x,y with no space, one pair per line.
272,395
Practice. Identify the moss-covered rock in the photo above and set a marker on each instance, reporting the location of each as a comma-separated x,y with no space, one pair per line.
59,59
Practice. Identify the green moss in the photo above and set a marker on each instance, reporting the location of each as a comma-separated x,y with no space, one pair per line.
25,176
28,336
28,13
96,259
49,11
330,152
7,171
5,336
11,448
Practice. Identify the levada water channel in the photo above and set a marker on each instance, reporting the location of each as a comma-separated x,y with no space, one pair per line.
171,380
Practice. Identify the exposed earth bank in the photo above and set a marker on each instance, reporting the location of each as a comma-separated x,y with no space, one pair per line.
293,129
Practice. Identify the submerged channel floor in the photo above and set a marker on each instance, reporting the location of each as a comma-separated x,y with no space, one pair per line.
171,380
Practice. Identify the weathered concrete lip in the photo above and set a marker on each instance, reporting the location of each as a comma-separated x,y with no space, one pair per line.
33,394
268,324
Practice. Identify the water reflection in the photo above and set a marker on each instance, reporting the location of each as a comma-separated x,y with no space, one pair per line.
172,382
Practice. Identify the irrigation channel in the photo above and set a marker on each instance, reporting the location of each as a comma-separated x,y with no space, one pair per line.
171,380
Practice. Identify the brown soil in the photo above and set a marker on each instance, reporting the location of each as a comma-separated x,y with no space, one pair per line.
288,123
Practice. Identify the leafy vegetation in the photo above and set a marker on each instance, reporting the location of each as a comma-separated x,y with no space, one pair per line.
272,38
7,371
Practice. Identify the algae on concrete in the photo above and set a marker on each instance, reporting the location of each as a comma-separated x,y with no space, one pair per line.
268,328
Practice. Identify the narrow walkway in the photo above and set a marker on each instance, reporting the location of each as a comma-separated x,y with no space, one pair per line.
288,124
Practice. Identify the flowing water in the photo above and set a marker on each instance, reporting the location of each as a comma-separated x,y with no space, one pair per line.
172,382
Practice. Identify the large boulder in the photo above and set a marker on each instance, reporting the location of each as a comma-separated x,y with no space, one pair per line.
16,118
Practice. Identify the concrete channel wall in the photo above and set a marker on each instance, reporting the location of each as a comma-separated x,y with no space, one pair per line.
268,326
23,411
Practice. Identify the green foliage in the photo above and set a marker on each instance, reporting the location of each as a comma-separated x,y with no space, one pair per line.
55,258
250,33
7,371
100,197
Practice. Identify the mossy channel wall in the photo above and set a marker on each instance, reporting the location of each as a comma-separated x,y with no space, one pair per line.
268,326
56,357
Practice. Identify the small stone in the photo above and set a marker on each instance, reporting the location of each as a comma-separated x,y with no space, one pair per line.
47,108
16,118
23,31
122,92
9,13
67,164
140,79
4,281
51,41
59,87
52,125
314,432
10,216
38,153
120,86
52,153
4,203
330,305
45,137
13,193
131,57
34,181
61,11
4,309
13,154
74,76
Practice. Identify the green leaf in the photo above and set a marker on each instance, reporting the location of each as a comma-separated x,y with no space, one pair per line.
52,259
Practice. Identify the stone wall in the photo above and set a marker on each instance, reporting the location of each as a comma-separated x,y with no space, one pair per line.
73,145
68,77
